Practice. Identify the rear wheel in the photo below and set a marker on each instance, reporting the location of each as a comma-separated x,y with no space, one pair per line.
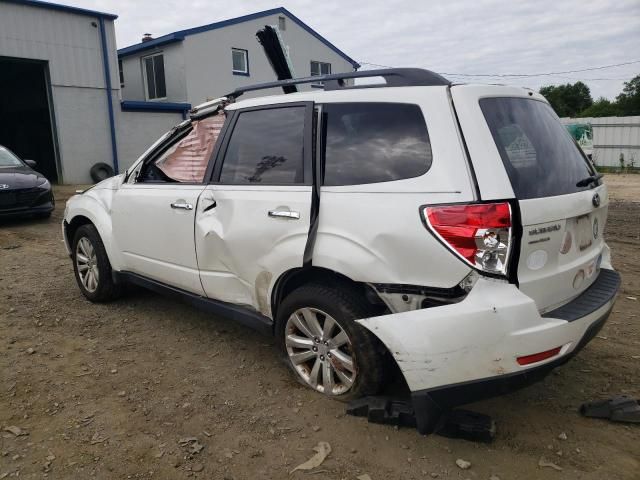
92,267
324,346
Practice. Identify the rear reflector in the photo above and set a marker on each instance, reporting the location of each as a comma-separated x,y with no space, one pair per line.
538,357
479,233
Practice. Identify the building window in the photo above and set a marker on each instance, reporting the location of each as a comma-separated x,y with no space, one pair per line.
155,85
320,68
240,61
282,24
121,73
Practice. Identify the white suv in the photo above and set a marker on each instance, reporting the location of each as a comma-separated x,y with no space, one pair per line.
453,231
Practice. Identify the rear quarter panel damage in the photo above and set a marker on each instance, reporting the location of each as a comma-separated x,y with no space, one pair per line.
477,338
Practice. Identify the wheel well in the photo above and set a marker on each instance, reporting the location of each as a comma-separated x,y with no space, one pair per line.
73,226
297,277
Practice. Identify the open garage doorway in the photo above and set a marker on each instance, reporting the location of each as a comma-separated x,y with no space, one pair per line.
26,119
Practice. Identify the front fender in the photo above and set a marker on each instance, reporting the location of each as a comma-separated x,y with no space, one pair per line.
95,205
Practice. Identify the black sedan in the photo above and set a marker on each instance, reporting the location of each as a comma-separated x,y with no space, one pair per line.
23,191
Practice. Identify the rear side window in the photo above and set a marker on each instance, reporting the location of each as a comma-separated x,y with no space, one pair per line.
266,146
540,157
374,142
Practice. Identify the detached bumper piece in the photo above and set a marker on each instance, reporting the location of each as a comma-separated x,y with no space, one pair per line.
617,409
460,423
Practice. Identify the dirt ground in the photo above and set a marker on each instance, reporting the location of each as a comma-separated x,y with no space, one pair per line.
109,391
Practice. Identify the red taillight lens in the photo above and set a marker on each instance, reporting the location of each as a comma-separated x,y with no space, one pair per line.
479,233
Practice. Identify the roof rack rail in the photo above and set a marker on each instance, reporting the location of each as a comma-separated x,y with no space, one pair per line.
394,77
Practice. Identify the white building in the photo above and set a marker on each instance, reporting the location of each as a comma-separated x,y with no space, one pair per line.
60,98
614,139
58,87
207,62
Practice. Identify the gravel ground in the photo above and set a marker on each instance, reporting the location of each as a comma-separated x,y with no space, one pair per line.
149,388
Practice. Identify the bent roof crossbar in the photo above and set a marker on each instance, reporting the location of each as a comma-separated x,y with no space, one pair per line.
394,77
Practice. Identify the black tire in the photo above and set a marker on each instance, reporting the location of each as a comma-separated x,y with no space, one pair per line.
106,289
345,304
101,171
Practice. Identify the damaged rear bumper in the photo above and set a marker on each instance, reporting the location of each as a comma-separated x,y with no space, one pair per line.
460,353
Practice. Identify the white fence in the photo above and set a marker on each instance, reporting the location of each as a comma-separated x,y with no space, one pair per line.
613,137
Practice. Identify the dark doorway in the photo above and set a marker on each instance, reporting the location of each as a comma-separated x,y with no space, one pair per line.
25,113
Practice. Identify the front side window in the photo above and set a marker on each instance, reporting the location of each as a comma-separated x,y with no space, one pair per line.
186,160
374,142
266,147
240,61
539,155
154,76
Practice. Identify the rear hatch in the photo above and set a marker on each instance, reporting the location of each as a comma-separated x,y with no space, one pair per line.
519,149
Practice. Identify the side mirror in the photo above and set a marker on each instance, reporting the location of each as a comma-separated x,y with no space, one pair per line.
31,163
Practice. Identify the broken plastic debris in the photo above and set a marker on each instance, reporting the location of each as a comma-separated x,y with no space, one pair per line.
620,408
543,463
323,449
17,431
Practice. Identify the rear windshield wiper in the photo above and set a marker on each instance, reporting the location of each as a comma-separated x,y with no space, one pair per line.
589,180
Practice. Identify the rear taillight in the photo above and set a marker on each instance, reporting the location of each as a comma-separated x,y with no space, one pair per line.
480,233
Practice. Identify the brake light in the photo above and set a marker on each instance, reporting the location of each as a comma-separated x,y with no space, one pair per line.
479,233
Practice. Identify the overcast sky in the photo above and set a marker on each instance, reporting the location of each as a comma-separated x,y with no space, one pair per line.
465,36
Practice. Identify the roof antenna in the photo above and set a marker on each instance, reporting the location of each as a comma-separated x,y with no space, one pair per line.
271,41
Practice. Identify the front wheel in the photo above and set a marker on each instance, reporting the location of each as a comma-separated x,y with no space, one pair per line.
324,346
92,267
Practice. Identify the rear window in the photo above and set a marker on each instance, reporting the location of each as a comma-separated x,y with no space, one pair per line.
540,157
374,142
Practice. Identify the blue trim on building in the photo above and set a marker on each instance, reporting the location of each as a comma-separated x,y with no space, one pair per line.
64,8
156,42
138,106
180,35
107,79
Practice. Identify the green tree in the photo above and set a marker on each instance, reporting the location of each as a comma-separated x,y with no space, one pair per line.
601,108
629,100
568,100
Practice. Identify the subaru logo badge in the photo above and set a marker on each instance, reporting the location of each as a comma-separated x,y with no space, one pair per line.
596,200
3,186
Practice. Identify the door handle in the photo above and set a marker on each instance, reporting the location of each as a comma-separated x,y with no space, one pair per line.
291,215
182,206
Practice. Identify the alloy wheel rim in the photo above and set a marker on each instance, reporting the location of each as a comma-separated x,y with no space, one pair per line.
87,264
320,351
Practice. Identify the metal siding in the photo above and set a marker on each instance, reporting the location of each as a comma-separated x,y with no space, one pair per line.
611,137
69,42
138,130
71,46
